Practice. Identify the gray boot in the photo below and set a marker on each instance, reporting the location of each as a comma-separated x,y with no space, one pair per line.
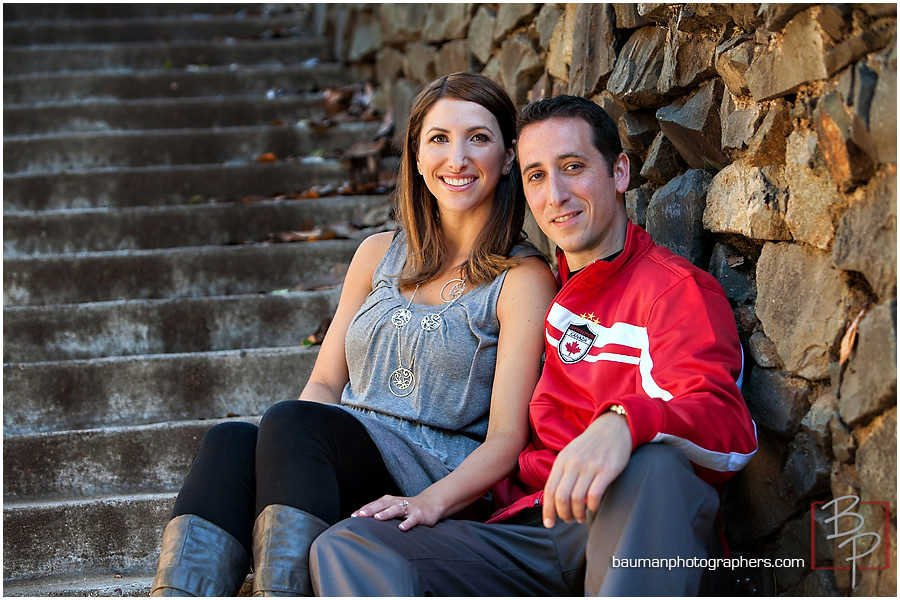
282,536
199,558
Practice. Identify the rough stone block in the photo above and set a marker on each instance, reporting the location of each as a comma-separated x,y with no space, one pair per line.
793,542
546,22
520,67
659,13
876,460
747,323
816,423
844,480
777,401
675,216
808,466
728,265
593,54
869,384
738,124
628,17
767,146
874,37
446,21
560,52
636,164
389,64
688,58
866,239
541,89
637,130
480,38
610,105
777,14
511,15
799,58
453,57
743,200
365,39
419,63
763,351
818,584
844,141
857,87
401,22
813,197
693,126
636,202
403,92
638,68
732,59
492,70
843,444
760,498
883,111
806,333
663,161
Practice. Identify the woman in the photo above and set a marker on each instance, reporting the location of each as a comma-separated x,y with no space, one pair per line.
418,400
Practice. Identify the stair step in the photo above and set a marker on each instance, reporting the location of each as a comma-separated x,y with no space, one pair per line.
136,327
160,113
42,233
111,536
176,184
58,58
46,154
106,585
148,29
107,392
92,463
160,83
172,272
128,10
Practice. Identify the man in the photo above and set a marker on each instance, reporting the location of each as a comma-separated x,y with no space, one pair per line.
637,414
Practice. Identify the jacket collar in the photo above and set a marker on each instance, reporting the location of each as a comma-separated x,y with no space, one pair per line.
637,241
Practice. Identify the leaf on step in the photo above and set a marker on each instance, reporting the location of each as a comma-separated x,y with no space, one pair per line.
266,158
849,339
315,338
310,235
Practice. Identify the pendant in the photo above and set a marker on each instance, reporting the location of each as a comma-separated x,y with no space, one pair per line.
401,317
430,322
456,290
401,382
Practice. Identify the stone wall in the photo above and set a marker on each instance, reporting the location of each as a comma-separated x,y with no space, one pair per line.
762,139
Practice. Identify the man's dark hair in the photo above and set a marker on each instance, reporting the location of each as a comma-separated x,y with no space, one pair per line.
605,134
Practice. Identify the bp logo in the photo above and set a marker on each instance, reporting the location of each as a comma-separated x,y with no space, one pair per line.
575,343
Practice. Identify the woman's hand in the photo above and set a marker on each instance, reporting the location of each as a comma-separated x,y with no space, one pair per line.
414,511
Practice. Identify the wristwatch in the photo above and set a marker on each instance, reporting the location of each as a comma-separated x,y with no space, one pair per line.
618,409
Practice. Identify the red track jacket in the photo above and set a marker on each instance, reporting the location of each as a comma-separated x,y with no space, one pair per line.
651,332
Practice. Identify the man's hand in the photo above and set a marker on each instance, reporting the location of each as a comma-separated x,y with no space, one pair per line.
584,469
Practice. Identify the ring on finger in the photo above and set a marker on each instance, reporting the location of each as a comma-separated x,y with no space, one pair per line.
405,504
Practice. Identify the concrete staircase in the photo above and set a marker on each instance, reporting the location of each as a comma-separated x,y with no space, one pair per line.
137,292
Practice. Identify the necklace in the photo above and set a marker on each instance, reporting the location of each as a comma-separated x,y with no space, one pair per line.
401,380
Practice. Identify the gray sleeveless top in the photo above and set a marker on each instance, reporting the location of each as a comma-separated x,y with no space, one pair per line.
425,435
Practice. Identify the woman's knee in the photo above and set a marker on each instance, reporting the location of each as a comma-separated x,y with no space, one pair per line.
233,438
291,417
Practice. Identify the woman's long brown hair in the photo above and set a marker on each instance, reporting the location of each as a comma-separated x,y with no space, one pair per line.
417,209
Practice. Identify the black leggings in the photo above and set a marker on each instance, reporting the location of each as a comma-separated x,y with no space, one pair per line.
308,455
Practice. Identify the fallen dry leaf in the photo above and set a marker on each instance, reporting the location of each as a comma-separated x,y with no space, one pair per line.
849,339
266,157
316,338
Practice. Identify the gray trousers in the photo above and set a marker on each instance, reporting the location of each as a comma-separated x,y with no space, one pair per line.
657,508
